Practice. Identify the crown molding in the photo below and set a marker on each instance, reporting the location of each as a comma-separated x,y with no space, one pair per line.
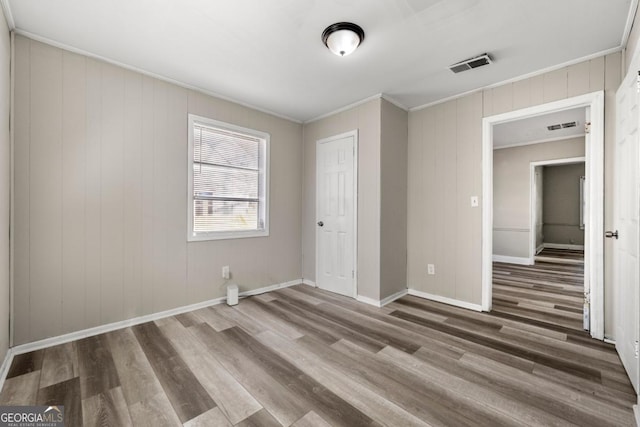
8,16
82,52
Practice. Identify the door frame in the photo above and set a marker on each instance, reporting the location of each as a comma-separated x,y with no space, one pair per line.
532,196
594,165
354,135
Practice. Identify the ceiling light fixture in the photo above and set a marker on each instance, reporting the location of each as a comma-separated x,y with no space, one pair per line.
342,38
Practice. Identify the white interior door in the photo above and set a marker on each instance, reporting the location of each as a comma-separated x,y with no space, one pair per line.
626,236
336,214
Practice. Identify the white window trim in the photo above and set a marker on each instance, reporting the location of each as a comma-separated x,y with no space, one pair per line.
264,196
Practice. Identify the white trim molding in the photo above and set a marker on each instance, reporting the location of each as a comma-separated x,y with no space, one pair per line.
61,339
445,300
636,411
594,165
512,259
381,303
4,368
8,15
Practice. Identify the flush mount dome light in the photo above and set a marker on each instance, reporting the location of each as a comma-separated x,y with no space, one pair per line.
342,38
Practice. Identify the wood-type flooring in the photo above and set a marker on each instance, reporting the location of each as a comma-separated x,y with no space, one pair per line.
551,291
304,357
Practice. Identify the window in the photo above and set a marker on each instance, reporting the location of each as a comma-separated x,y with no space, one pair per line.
228,181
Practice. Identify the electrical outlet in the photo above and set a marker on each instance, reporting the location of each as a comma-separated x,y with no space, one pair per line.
431,269
225,272
475,202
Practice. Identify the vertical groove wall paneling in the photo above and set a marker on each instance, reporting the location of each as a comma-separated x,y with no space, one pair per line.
21,198
45,191
74,190
101,197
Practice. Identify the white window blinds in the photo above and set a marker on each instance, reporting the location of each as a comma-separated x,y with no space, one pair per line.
228,180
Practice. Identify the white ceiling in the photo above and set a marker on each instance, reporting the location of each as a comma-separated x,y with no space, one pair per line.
268,54
534,129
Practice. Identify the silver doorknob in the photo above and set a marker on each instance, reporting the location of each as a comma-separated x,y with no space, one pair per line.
320,223
611,234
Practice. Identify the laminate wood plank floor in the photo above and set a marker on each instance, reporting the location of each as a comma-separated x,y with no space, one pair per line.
305,357
550,291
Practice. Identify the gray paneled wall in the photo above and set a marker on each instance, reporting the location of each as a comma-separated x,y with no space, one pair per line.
101,197
393,203
5,183
561,204
511,191
445,170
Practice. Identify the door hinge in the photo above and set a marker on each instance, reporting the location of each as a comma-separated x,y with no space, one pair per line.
636,348
638,82
587,127
587,298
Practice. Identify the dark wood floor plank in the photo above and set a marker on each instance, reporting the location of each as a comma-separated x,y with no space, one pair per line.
318,397
341,380
234,401
187,396
527,354
330,326
98,373
360,326
25,363
261,418
479,391
66,393
281,402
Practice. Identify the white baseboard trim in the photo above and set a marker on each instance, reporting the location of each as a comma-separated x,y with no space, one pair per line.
636,411
391,298
539,249
610,341
367,300
512,259
563,246
4,368
309,283
72,336
384,301
445,300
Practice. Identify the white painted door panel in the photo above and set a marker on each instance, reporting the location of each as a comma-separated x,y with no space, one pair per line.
335,222
626,222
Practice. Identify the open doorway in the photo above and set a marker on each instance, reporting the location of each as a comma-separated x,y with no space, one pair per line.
517,242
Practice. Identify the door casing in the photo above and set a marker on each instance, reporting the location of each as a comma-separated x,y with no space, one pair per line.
594,165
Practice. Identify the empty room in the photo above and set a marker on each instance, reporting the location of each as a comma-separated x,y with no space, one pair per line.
319,213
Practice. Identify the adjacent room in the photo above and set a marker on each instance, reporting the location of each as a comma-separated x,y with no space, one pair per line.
302,213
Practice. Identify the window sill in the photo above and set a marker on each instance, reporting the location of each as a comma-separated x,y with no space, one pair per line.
227,235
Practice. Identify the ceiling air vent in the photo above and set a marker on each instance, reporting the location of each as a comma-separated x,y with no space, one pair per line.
562,126
470,63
